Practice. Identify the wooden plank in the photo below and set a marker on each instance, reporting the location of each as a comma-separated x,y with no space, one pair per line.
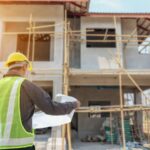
29,37
66,76
63,136
46,26
122,112
112,109
75,33
33,43
120,15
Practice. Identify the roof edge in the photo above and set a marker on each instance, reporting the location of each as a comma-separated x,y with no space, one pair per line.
121,15
38,1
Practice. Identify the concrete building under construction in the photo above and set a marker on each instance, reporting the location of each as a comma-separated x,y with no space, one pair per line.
107,61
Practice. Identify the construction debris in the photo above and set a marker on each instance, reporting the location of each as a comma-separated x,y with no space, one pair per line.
135,146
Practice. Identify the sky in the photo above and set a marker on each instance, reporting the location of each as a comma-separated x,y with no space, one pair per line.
145,49
131,6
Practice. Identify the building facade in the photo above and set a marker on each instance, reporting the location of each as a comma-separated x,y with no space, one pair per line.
94,68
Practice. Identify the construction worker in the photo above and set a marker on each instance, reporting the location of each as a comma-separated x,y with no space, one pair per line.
18,98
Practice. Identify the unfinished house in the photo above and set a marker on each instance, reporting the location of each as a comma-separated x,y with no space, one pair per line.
108,55
95,70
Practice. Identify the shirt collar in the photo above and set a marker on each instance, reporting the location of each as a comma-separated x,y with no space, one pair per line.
12,73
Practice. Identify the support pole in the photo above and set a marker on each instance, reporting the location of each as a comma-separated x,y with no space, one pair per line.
63,136
111,128
29,36
69,136
124,71
33,43
120,88
122,112
66,81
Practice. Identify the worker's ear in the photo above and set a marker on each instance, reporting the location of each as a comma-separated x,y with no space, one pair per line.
26,71
25,68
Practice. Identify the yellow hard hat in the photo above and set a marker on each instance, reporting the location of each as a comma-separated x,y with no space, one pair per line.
17,57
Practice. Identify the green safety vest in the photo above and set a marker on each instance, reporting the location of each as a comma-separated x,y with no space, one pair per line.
12,133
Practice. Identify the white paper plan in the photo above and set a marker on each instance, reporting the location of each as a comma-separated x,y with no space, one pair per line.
42,120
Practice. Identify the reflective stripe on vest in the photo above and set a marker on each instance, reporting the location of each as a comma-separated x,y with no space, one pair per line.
15,142
11,106
6,139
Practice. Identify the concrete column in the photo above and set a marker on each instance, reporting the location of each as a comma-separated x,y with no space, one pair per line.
56,131
118,43
139,115
57,86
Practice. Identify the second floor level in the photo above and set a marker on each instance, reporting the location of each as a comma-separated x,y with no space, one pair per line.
93,42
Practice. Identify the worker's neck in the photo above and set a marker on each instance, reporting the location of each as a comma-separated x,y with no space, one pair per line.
16,72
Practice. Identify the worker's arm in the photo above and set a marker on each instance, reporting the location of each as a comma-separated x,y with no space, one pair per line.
44,102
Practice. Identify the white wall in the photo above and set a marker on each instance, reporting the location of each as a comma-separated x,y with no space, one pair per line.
49,77
40,13
98,58
132,59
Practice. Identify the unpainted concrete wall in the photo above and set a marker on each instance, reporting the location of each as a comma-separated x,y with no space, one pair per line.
11,46
46,80
132,58
98,58
86,125
74,47
139,115
101,58
40,13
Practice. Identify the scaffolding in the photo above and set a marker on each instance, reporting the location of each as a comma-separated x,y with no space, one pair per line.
74,35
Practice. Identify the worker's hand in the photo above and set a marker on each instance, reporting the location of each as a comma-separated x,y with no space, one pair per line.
78,104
